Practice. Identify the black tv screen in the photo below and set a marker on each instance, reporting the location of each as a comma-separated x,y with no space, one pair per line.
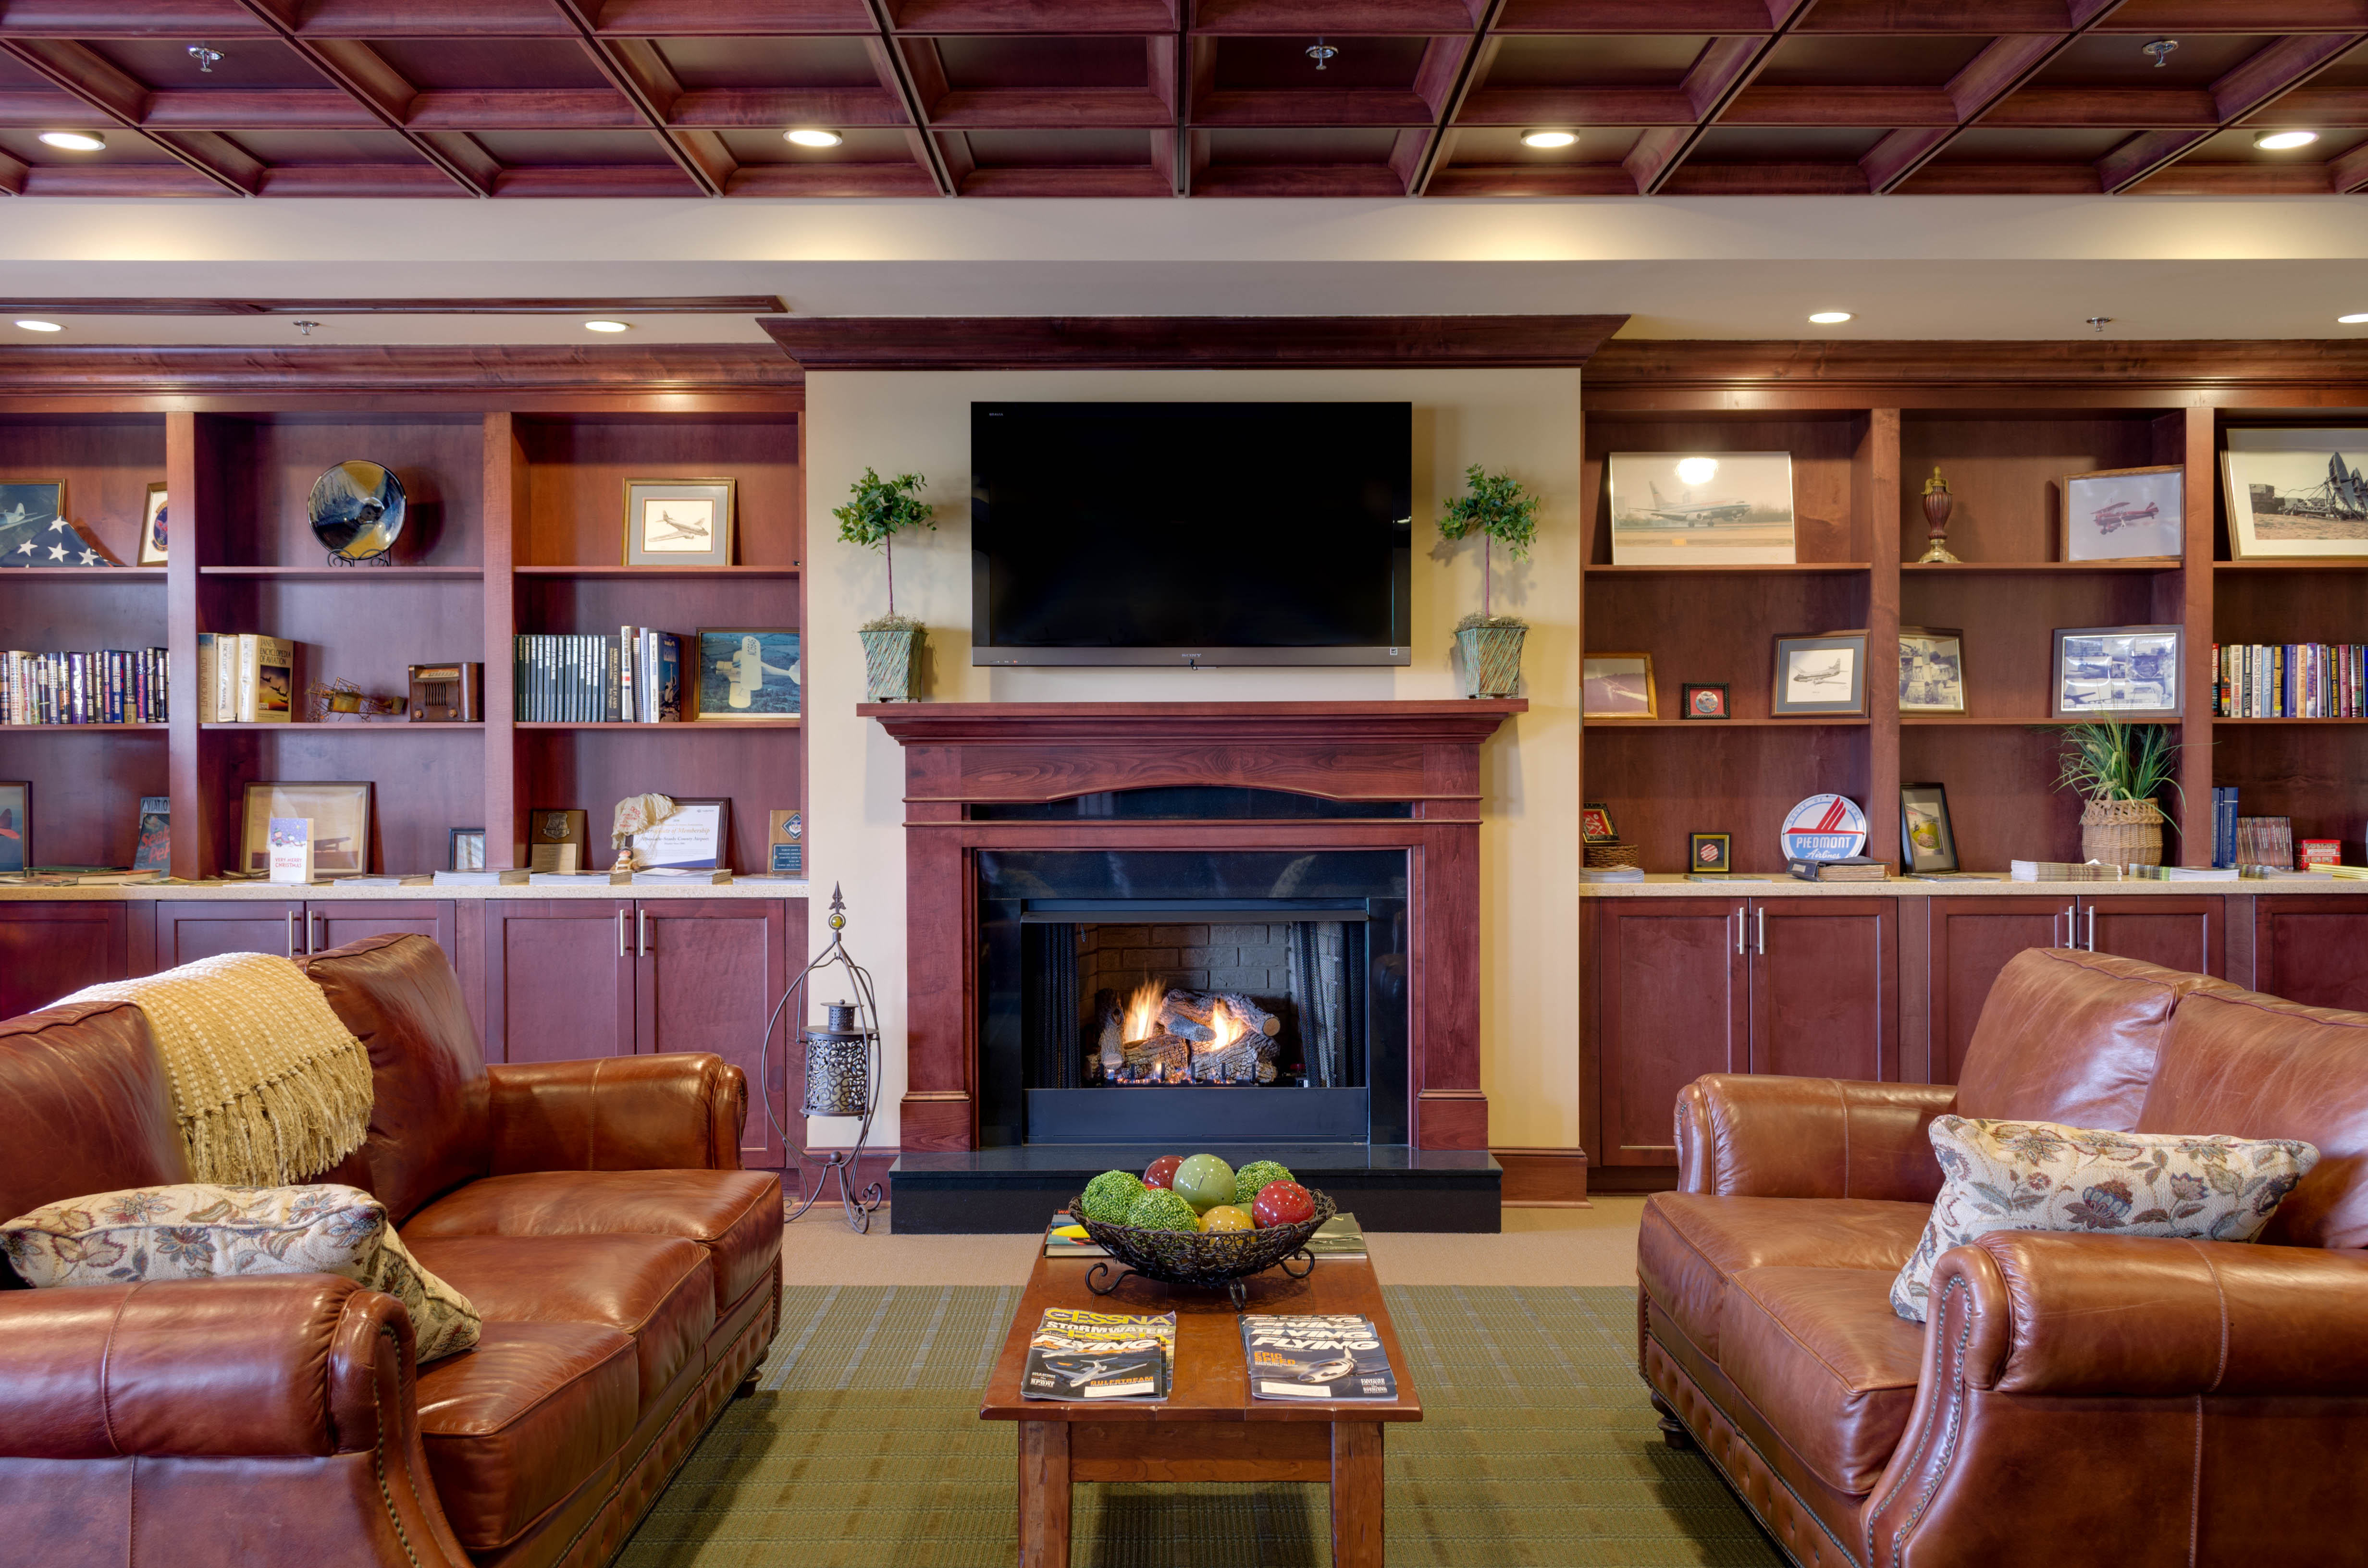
1193,533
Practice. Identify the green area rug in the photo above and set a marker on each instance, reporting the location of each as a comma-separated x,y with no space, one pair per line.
864,1450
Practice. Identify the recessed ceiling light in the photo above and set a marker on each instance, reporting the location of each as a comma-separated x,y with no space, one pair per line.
40,326
75,141
1829,318
607,326
1549,138
812,136
2279,140
2354,319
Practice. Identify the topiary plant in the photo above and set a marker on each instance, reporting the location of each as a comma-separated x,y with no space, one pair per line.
1110,1196
1495,506
877,511
1252,1177
1160,1210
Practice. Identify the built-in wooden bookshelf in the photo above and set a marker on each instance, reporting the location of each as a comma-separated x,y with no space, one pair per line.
515,524
1863,440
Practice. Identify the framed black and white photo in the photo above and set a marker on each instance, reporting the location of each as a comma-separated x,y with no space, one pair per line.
1700,508
1819,676
341,824
1927,842
2125,513
2295,494
1931,670
1617,685
693,839
15,827
2117,672
680,522
465,849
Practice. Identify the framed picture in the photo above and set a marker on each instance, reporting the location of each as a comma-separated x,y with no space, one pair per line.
748,673
152,538
2117,672
35,530
785,843
558,839
2122,514
694,838
2295,493
1702,702
15,827
1595,823
1927,842
680,522
341,825
465,849
156,841
1710,852
1931,670
1617,685
1819,675
1698,509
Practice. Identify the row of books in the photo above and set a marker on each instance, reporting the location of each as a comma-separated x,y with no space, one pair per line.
245,677
107,685
1131,1358
2290,680
633,677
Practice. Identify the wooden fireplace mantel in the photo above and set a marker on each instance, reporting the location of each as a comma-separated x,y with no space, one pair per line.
960,755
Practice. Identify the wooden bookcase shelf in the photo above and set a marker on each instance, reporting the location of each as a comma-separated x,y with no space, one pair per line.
685,729
515,524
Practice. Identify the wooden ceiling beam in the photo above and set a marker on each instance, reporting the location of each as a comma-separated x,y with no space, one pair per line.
1884,106
530,108
2253,82
888,69
1068,18
1118,108
2107,108
370,82
277,109
1444,81
1716,19
2314,108
400,305
910,179
12,175
2349,174
1765,180
2002,179
2156,17
1724,69
730,18
1575,107
1989,78
1343,19
87,75
742,109
1354,107
1981,18
635,68
1014,342
120,18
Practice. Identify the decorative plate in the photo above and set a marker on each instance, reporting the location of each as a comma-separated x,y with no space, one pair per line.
1824,827
356,510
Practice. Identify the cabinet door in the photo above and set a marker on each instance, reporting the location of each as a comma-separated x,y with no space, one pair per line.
333,924
1672,1005
48,950
709,972
2313,950
559,979
2176,933
1825,987
186,932
1971,940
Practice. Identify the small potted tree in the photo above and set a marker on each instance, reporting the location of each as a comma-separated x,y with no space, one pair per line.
2119,770
877,511
1495,506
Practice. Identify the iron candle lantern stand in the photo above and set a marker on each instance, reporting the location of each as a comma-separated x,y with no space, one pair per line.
842,1075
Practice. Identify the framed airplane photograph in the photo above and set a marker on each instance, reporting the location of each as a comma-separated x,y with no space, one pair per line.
1820,676
2295,494
680,522
1700,508
1617,685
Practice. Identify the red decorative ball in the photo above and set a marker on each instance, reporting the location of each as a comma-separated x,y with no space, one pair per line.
1162,1171
1282,1203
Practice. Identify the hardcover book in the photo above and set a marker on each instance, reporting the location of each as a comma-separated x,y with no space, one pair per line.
1320,1355
155,851
1845,868
1099,1355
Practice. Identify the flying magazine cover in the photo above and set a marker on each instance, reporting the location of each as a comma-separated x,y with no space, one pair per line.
1338,1357
1077,1355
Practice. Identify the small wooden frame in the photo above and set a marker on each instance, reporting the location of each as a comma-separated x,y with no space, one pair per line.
1710,853
680,522
1704,701
2117,673
1617,687
2123,514
1931,670
1821,676
1595,824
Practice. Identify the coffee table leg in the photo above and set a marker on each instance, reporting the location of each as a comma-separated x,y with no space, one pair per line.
1044,1494
1356,1495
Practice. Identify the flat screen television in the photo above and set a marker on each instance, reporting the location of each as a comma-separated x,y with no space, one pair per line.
1191,533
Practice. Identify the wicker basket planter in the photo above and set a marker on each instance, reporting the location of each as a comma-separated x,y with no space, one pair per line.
1218,1260
2122,833
1602,857
892,668
1491,659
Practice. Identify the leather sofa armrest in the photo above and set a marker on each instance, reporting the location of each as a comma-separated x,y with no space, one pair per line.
277,1365
677,1110
1747,1135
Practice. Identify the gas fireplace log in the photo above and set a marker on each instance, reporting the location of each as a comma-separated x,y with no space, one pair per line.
1165,1050
1196,1006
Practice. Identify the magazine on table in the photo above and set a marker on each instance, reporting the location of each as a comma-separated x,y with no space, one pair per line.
1101,1356
1333,1355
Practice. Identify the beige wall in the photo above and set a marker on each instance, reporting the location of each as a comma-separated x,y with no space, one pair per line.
1526,422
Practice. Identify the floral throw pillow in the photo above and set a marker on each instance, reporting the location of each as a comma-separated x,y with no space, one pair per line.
2038,1176
199,1231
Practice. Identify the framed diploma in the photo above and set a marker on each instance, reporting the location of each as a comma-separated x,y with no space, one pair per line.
693,839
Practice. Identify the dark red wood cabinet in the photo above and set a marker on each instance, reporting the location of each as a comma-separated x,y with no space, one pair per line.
559,979
2176,933
2311,949
1825,987
205,928
48,950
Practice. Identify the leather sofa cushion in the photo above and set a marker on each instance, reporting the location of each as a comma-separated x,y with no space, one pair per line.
1690,1245
736,1215
516,1425
1823,1358
90,1107
429,1126
658,1290
2071,1037
2257,1067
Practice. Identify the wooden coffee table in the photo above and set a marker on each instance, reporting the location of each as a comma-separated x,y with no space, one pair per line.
1209,1428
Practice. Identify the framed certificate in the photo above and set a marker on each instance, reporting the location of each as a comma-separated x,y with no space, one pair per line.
693,839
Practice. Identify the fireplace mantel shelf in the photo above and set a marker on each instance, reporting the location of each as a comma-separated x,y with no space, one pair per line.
944,722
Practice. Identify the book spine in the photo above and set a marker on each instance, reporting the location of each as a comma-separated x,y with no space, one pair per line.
625,653
612,658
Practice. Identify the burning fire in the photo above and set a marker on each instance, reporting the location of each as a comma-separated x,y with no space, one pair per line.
1143,1011
1229,1029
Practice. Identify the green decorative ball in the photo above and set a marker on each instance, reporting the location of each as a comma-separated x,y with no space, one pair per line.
1160,1210
1109,1195
1251,1179
1204,1181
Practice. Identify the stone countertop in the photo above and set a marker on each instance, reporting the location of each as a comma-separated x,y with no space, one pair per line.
1674,884
336,892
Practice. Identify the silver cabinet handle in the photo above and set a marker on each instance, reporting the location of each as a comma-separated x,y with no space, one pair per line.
292,933
313,934
2071,927
1759,917
1740,919
2093,927
641,931
621,935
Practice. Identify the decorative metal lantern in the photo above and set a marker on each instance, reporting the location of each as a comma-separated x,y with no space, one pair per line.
842,1071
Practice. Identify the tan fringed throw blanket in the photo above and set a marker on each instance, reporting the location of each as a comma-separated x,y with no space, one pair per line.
270,1087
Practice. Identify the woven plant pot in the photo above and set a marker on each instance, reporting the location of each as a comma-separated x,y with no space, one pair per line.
2122,833
1602,857
891,671
1492,659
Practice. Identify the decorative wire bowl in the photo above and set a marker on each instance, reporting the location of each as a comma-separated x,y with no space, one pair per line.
1219,1260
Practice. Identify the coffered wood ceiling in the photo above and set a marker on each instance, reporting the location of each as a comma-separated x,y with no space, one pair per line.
506,98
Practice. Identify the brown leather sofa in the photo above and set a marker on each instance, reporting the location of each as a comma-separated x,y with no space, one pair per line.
594,1211
2098,1399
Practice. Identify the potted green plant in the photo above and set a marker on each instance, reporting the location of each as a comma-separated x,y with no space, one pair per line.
1495,506
2119,770
877,511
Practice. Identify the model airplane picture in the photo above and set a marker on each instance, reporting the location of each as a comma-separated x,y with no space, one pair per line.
1803,676
1080,1376
2116,515
1329,1371
1696,513
664,530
